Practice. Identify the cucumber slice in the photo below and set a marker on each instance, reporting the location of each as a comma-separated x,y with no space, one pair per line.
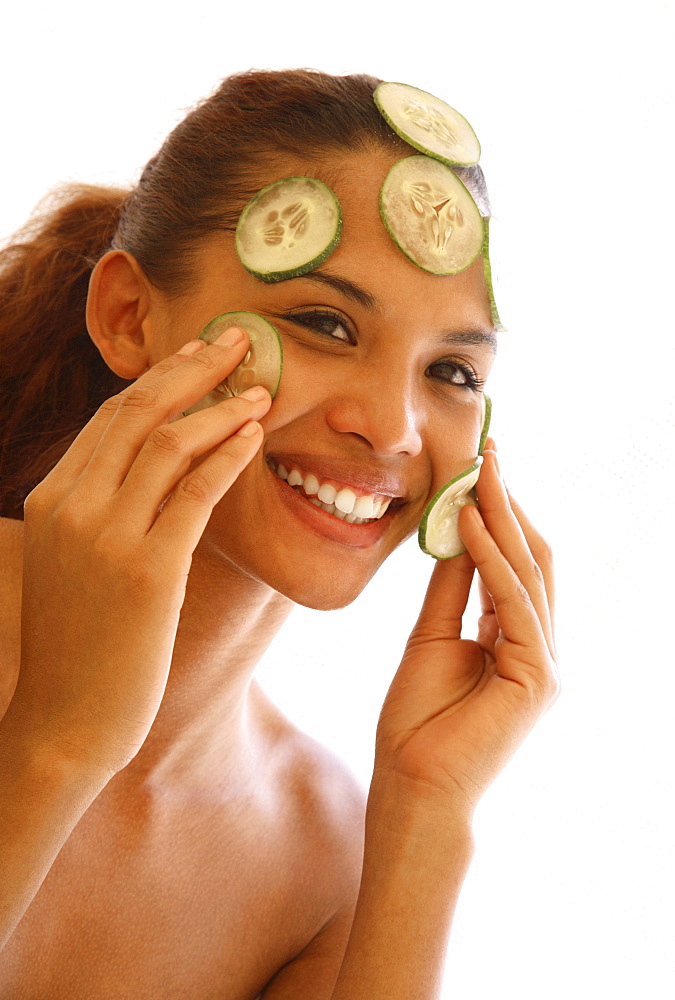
427,123
288,228
438,533
487,417
431,216
487,271
261,366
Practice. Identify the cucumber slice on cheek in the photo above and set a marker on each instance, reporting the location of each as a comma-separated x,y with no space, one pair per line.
438,533
288,228
261,366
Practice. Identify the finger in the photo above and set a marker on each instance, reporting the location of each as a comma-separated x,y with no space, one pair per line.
171,450
503,525
78,455
187,511
540,550
445,600
158,397
518,619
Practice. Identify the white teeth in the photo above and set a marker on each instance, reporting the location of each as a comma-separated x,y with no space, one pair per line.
327,493
363,507
345,501
311,485
341,502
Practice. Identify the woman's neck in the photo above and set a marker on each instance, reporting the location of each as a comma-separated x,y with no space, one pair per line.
214,720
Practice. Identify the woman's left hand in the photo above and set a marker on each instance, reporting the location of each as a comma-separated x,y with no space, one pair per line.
457,709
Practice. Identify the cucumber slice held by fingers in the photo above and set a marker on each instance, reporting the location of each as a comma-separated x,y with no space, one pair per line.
261,366
427,123
431,215
438,534
288,228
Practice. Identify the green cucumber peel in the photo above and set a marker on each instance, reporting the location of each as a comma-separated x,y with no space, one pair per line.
487,271
288,228
427,123
262,365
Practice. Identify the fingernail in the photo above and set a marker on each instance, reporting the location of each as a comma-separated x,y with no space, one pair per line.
254,394
249,429
234,335
191,347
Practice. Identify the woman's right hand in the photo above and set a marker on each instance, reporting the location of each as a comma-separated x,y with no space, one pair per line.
105,571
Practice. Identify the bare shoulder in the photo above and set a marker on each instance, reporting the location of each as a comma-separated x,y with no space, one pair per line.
325,804
11,563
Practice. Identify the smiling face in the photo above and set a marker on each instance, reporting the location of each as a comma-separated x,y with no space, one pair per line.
380,395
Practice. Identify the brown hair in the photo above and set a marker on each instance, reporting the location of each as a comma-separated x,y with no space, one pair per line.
52,376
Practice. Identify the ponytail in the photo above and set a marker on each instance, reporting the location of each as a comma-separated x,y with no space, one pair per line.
52,378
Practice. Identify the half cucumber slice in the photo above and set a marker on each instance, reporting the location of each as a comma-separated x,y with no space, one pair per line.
438,533
487,417
487,271
427,123
431,215
261,366
288,228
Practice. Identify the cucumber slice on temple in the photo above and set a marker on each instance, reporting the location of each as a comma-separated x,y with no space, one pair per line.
261,366
288,228
427,123
487,416
431,216
438,533
487,271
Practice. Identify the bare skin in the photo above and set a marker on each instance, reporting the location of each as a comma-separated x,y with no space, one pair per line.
217,843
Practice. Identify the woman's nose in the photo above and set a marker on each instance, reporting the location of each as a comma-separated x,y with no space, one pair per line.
381,411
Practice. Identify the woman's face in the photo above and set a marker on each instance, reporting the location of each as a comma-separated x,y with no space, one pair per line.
383,366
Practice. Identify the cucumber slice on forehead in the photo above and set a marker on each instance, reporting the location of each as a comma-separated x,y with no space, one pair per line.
428,124
431,215
288,228
438,533
261,366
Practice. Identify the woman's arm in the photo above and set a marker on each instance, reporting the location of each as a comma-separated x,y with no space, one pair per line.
455,713
103,584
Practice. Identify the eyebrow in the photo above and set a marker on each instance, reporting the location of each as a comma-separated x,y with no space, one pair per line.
477,337
342,285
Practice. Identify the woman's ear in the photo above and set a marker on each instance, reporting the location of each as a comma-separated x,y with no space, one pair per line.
118,305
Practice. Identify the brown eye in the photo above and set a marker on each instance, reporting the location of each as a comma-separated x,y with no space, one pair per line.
326,323
454,373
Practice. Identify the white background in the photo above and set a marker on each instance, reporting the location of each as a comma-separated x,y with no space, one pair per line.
571,890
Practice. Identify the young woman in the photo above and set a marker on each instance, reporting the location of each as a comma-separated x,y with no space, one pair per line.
164,828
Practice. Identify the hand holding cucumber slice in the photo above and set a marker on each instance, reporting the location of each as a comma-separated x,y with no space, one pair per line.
288,228
261,366
427,123
438,533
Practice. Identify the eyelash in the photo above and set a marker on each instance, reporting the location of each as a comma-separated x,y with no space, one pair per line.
471,380
315,319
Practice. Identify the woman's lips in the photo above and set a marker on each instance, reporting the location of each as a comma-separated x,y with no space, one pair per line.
328,525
